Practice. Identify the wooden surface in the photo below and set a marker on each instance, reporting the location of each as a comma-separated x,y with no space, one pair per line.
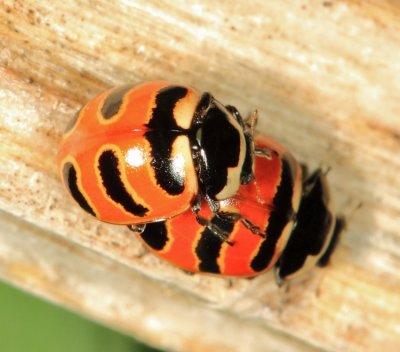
325,78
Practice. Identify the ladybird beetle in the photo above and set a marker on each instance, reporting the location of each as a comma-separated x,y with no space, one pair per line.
188,175
293,210
139,154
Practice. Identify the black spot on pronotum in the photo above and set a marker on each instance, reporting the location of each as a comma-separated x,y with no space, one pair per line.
155,235
313,227
280,215
340,225
113,102
219,141
111,178
162,133
209,245
71,180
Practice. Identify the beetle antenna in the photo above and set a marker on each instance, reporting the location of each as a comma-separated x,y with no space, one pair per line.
251,121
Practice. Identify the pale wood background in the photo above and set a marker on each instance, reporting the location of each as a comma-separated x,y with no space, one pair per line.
325,76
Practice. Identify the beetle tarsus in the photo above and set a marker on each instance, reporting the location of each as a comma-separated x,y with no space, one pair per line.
264,152
205,222
251,121
254,229
219,233
214,206
232,217
137,228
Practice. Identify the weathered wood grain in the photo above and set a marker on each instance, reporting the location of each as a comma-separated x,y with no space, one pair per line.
325,78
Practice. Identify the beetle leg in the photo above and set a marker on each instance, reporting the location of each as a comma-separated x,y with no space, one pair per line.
196,209
265,152
219,233
233,217
205,222
214,206
235,113
137,228
251,121
255,229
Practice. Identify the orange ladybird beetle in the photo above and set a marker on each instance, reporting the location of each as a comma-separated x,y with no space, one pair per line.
201,189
